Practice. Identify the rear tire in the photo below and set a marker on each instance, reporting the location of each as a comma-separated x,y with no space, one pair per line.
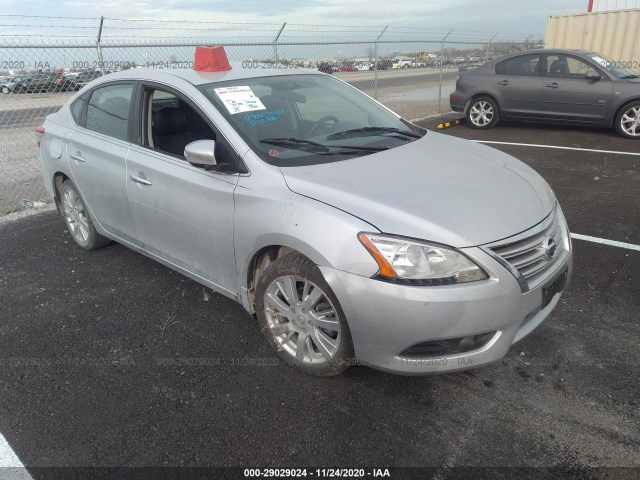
5,90
78,220
302,318
482,113
628,121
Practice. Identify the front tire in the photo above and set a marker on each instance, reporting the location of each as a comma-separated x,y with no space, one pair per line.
302,318
5,90
628,121
78,220
482,113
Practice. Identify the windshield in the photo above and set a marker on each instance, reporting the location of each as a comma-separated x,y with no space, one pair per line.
294,120
616,68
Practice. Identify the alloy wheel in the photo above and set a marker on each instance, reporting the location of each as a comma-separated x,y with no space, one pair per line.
481,113
302,319
75,216
630,121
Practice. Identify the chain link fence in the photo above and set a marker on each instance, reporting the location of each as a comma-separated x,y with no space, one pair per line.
410,74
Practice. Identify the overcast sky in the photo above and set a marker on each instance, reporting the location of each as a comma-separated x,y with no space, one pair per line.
517,17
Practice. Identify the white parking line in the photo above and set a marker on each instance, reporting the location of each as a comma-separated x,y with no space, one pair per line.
604,241
11,468
613,152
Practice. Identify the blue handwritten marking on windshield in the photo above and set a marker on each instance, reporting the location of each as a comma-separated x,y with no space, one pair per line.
260,118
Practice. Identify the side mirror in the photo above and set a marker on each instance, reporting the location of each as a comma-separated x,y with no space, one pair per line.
201,152
592,75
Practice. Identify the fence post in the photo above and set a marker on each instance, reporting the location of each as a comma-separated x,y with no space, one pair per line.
488,52
98,45
375,64
275,43
441,56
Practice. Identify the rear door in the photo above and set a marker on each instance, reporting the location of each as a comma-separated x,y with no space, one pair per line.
183,213
97,149
518,86
568,95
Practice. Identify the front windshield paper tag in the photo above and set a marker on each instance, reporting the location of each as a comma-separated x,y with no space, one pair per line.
239,99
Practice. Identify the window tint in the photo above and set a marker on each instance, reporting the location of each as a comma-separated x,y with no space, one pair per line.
527,65
108,110
76,108
566,67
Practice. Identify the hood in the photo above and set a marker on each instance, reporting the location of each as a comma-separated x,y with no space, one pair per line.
438,188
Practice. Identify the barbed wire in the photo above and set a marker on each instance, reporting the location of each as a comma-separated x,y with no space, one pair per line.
373,29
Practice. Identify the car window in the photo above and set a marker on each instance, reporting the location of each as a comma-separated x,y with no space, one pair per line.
565,66
170,123
525,65
314,107
108,110
293,120
617,69
76,108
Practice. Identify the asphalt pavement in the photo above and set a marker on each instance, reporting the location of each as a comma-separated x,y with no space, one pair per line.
108,359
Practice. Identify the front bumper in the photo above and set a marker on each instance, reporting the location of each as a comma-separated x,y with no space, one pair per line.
386,319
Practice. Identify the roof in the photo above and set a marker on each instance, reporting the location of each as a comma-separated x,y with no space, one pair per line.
549,51
237,72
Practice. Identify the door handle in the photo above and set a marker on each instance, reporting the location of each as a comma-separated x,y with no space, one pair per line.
77,157
504,83
552,85
140,180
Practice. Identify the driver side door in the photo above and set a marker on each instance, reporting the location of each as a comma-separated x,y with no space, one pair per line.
568,95
183,213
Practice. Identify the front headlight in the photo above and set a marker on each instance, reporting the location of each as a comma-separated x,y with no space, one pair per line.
414,262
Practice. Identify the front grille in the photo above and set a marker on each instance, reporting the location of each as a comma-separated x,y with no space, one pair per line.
535,253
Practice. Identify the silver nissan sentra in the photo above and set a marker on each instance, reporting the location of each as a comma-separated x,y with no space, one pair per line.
352,235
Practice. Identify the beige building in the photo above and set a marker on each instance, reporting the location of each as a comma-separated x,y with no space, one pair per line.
615,34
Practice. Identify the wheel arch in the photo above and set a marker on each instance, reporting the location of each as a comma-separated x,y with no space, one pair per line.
481,94
259,261
622,107
58,179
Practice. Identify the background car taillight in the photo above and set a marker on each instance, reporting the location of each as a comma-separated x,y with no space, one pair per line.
39,134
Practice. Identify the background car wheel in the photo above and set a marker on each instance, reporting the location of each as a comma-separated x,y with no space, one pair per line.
78,220
5,90
628,121
301,317
482,113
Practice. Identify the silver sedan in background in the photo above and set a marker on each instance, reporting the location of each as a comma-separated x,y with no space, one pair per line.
554,86
350,234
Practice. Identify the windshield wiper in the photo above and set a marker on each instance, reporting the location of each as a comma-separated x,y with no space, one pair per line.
629,76
308,145
371,131
295,143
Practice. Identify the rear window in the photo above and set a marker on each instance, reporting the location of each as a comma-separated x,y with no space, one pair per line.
525,65
77,107
108,110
